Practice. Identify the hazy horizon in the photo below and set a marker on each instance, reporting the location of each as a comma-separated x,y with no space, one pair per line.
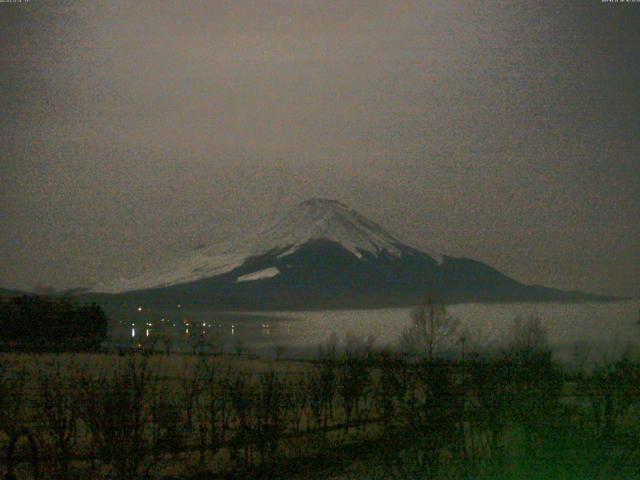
505,132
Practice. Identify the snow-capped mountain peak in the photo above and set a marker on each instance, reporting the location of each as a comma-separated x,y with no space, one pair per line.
286,264
326,219
313,219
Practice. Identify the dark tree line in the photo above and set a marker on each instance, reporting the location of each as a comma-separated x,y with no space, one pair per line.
36,323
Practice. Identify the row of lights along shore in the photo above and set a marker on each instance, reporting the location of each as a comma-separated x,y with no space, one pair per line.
266,328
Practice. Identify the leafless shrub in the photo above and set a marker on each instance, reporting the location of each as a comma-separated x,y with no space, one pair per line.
202,344
352,380
528,335
431,330
328,351
148,344
327,383
13,401
489,394
535,380
239,347
114,409
188,390
57,412
270,413
612,391
391,387
581,353
242,398
299,401
432,414
212,401
280,351
165,419
166,340
215,343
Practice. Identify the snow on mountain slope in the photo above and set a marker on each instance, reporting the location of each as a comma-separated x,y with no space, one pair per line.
309,220
266,273
187,269
331,220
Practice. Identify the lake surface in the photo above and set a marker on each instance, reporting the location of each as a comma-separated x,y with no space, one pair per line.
595,332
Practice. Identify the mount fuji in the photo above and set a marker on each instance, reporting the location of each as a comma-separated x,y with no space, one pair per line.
322,254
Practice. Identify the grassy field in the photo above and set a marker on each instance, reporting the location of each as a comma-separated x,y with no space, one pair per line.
359,414
172,406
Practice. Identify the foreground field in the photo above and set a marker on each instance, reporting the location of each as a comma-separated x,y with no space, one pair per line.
358,414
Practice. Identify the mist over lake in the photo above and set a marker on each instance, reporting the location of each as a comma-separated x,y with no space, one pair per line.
577,332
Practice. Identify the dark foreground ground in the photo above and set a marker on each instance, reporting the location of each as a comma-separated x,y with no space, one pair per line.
351,415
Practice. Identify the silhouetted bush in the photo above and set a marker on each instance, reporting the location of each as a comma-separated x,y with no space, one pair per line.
432,329
352,381
489,397
535,379
13,398
58,413
115,409
612,390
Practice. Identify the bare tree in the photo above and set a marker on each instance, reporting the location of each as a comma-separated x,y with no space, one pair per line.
167,340
239,347
329,349
214,342
528,334
280,350
13,396
148,344
430,330
114,408
197,343
58,412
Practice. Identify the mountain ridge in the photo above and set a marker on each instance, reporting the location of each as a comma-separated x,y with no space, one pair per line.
323,254
309,220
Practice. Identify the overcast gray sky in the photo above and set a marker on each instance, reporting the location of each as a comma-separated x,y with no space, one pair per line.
508,132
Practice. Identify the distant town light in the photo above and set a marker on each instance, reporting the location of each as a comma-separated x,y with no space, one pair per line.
139,309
